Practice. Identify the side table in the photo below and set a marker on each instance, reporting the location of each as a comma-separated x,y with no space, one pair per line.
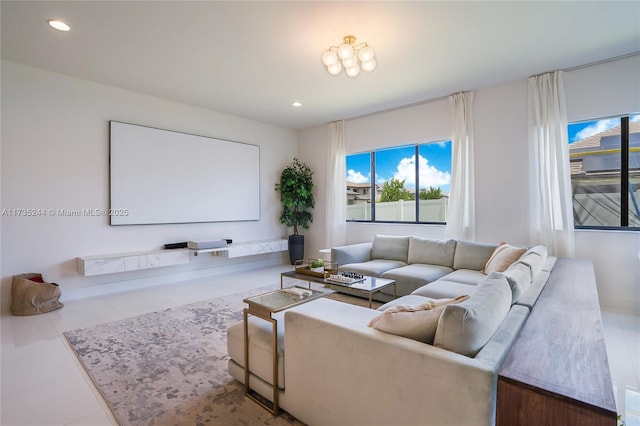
264,306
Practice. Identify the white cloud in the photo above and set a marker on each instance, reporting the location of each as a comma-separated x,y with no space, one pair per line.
429,175
634,118
356,177
597,127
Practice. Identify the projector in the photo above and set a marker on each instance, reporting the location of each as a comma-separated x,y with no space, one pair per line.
203,245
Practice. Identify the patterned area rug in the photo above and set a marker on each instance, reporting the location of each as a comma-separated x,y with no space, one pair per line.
170,367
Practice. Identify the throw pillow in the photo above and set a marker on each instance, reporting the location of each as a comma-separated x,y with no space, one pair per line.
466,327
503,256
519,278
535,258
414,322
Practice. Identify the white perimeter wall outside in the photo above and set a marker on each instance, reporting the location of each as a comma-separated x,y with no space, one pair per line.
55,155
500,124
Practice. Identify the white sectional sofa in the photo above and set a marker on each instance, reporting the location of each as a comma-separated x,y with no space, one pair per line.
439,269
336,369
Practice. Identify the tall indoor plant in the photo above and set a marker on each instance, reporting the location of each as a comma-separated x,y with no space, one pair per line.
295,187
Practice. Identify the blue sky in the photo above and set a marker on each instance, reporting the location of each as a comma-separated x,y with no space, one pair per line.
579,131
399,163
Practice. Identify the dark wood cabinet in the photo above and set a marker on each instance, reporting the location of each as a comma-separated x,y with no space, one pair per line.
557,372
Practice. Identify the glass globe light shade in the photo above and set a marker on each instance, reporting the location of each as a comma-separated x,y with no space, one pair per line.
366,54
369,65
345,51
349,62
353,71
334,69
329,58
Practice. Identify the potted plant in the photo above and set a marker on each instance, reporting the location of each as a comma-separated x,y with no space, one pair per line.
295,187
317,265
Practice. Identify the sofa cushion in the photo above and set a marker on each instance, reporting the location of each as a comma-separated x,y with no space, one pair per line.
390,247
432,252
519,278
352,253
466,327
465,276
416,275
535,258
414,321
260,347
470,255
444,288
503,256
373,268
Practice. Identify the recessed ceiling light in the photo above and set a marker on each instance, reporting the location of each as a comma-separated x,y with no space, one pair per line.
296,104
58,25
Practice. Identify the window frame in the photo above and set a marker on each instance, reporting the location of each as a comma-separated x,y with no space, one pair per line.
624,177
372,187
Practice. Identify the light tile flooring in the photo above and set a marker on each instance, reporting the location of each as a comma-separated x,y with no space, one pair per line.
43,384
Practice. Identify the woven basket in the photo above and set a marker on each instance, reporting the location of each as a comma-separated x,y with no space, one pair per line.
31,295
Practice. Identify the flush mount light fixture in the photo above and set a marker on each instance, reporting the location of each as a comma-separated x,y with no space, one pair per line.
296,104
58,25
353,57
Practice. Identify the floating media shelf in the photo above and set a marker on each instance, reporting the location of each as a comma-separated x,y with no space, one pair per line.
125,262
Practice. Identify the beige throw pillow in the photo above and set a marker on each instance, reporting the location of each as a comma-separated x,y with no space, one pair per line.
414,322
503,256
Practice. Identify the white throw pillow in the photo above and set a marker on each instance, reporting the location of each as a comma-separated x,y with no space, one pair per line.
417,322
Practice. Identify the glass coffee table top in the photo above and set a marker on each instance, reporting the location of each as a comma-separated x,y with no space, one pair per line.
371,284
281,299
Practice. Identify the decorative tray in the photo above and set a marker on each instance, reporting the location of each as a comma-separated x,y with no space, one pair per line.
324,271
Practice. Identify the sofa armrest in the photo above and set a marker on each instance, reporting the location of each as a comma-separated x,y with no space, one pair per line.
353,253
340,371
531,294
497,348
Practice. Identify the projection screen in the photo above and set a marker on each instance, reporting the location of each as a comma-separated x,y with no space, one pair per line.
161,176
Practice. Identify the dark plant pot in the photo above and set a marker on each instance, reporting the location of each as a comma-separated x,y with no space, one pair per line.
296,248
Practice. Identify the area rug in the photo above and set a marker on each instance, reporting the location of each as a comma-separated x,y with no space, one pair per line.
170,367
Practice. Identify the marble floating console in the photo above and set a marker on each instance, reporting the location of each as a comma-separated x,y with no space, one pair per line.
125,262
250,248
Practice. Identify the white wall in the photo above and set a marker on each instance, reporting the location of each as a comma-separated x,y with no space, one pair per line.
55,155
500,126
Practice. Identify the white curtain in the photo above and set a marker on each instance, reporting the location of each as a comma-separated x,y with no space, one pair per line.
336,213
551,221
461,217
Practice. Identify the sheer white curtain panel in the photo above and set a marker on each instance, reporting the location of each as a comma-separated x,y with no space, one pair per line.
336,205
461,217
551,221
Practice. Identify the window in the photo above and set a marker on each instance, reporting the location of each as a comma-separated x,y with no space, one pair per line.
604,158
403,190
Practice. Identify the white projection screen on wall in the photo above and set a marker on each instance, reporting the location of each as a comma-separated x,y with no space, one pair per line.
161,176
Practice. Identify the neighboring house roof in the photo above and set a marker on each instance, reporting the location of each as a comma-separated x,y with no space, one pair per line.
596,140
595,172
601,152
360,185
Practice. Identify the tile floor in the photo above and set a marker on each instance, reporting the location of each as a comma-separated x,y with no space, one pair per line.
43,384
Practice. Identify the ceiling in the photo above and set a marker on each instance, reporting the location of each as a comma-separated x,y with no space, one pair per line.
253,59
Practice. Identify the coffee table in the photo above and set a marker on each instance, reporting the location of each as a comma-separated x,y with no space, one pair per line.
264,306
366,287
